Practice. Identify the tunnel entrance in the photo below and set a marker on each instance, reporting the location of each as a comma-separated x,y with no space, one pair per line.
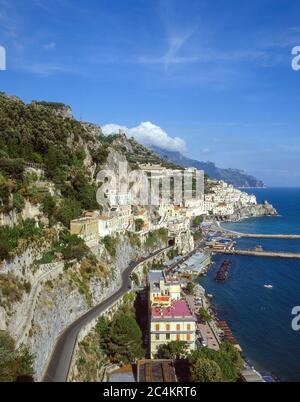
171,242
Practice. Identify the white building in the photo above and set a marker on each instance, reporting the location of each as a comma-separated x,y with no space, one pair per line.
117,220
224,199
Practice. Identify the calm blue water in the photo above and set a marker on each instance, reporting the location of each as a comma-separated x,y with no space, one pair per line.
260,318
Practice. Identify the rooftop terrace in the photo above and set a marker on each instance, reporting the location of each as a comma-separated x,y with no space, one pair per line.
178,309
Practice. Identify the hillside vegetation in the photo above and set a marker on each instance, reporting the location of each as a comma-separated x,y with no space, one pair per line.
69,153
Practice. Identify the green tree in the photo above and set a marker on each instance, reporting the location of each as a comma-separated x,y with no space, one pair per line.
204,315
139,224
49,205
190,288
18,202
198,220
163,234
172,350
226,358
4,249
69,210
205,370
227,349
13,168
103,327
120,339
85,192
13,362
73,246
110,245
197,235
55,160
10,236
135,279
127,338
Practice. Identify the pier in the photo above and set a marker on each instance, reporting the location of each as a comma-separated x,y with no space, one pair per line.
274,254
233,233
269,236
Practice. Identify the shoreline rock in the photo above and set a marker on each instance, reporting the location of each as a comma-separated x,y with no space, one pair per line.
252,211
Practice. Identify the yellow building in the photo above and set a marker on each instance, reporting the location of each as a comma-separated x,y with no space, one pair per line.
86,228
161,284
172,323
171,318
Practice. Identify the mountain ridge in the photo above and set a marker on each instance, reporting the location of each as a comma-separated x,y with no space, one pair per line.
236,177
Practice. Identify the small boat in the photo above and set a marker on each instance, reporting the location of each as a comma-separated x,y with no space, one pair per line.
268,286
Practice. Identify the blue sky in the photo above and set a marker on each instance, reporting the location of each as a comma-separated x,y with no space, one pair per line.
214,75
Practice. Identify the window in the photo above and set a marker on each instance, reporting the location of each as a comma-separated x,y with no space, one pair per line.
188,337
189,327
178,337
177,327
167,327
156,327
168,336
157,337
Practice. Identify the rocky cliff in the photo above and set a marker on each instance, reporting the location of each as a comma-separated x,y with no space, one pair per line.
60,293
253,211
47,176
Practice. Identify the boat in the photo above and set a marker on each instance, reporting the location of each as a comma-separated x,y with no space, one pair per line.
268,286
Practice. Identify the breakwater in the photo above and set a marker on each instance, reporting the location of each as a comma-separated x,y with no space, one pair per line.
269,236
272,254
233,233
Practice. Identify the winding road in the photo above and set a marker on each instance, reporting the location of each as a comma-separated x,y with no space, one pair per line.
60,360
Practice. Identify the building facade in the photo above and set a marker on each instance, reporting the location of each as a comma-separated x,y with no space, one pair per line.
172,323
170,316
87,229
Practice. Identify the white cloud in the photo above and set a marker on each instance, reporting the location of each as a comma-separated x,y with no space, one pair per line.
148,133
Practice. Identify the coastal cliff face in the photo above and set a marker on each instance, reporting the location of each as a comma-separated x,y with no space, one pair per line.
58,305
61,302
236,177
59,294
251,211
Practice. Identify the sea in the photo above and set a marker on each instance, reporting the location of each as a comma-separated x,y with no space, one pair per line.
261,318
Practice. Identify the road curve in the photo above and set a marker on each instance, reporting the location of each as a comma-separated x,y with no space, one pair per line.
59,364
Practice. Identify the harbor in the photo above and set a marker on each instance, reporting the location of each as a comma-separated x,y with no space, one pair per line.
211,328
223,241
256,253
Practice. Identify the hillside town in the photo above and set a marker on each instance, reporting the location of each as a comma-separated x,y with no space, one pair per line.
178,310
222,200
100,234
